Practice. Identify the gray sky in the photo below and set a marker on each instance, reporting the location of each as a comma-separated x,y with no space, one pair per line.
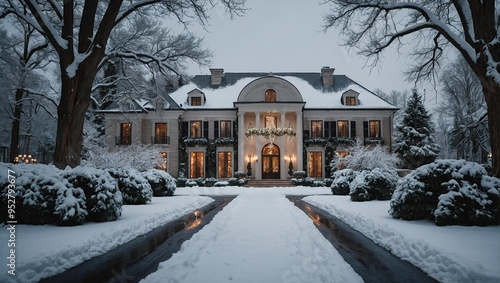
287,36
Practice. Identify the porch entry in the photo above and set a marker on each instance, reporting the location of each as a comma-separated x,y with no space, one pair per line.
270,161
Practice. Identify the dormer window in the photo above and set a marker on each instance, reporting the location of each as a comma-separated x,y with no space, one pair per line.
195,101
350,98
270,95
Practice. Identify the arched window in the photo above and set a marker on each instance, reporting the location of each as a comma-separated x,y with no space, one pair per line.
270,95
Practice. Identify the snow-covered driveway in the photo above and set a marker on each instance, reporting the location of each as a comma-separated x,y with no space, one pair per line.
259,237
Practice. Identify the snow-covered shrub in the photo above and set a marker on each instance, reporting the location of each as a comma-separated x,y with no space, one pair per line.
448,192
361,158
191,183
299,174
70,208
306,182
318,183
233,182
221,184
242,182
181,182
375,184
138,156
104,199
161,182
240,174
327,182
342,180
135,188
209,182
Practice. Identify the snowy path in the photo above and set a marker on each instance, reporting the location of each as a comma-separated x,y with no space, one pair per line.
259,237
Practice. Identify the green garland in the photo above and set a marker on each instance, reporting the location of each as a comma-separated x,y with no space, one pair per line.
266,132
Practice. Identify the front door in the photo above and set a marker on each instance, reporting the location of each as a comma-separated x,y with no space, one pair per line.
270,162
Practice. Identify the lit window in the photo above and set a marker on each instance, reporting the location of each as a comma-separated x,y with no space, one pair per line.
196,164
225,129
195,101
125,133
317,129
195,129
350,100
225,165
343,129
375,129
315,164
271,121
161,133
270,95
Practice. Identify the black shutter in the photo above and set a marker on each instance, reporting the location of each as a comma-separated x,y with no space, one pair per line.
184,130
353,129
216,129
235,129
326,127
333,128
205,129
365,129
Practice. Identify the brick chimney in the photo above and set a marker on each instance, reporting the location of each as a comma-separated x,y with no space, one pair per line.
327,76
216,76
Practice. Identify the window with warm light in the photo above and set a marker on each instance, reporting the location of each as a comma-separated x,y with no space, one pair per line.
374,129
350,100
271,121
160,133
343,129
195,129
225,129
125,133
196,164
195,101
270,95
315,164
317,129
225,164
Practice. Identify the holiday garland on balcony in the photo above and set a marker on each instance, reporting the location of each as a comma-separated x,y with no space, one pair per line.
270,132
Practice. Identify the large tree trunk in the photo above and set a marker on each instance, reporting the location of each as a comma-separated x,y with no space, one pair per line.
16,125
491,91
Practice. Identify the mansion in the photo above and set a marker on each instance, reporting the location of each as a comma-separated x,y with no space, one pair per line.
273,123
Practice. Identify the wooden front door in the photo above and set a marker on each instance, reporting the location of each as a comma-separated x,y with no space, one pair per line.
270,162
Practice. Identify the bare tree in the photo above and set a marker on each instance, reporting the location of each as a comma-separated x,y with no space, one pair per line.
79,31
469,26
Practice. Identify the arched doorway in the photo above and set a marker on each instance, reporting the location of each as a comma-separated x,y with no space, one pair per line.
270,161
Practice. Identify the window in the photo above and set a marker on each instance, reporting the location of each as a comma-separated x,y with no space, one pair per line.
225,165
350,100
315,164
125,133
161,133
374,129
196,164
316,129
195,129
225,129
270,95
343,128
271,121
195,101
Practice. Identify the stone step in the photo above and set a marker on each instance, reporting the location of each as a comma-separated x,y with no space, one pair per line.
269,183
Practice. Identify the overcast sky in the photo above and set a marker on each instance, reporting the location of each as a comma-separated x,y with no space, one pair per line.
287,36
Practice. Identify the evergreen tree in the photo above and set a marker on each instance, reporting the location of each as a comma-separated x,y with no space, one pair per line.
415,139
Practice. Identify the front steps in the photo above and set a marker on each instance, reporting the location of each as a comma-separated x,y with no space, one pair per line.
269,183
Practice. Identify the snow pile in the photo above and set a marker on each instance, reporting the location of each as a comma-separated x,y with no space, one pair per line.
161,182
135,188
449,192
43,251
448,254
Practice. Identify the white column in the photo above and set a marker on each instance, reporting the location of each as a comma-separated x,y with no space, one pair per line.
255,165
300,140
241,141
284,166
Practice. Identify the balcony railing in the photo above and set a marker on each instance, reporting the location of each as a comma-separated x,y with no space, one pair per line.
123,140
160,140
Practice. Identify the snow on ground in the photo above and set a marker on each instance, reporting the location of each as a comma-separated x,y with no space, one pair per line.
263,232
448,254
258,237
43,251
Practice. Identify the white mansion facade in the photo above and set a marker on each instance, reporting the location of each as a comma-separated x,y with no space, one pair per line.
216,124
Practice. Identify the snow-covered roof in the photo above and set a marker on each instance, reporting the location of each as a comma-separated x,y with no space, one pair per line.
314,94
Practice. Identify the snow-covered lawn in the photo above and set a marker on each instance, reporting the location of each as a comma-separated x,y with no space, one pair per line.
261,237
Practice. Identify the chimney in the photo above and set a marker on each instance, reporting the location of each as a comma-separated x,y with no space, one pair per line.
216,76
327,76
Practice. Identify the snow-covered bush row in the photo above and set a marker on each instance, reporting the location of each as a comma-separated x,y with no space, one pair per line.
306,182
46,195
161,182
104,200
448,192
135,188
342,180
138,156
373,184
211,182
361,158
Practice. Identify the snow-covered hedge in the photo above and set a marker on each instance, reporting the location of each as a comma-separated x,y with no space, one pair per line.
161,182
373,184
104,200
342,180
70,208
135,188
448,192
